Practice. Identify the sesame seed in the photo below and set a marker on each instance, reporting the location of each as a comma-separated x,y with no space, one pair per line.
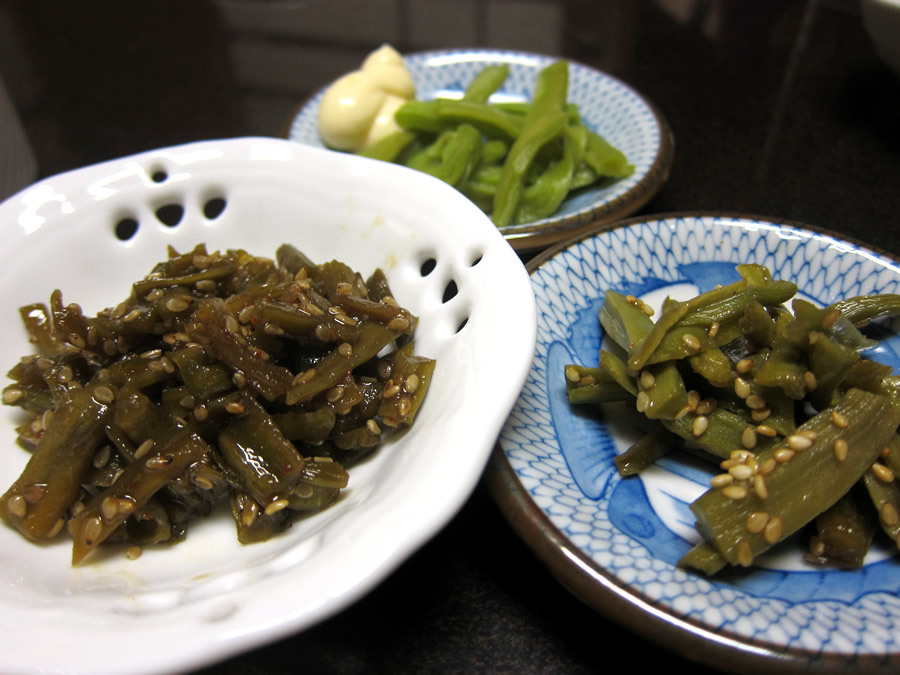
157,463
11,395
109,347
304,491
56,528
734,491
741,387
760,415
102,457
273,329
17,506
772,531
205,285
201,413
104,395
744,553
691,342
814,337
373,427
187,401
748,437
231,324
155,294
399,323
143,448
721,480
882,473
756,521
167,364
700,425
343,288
783,455
743,366
275,506
345,349
131,316
412,384
693,397
304,377
249,512
647,380
760,487
391,390
133,552
741,472
571,373
76,340
404,406
335,394
885,451
706,406
245,314
642,401
203,482
684,411
799,442
767,466
809,380
841,449
755,402
93,528
713,330
235,407
889,515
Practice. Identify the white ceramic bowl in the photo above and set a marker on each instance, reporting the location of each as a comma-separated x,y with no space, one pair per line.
209,597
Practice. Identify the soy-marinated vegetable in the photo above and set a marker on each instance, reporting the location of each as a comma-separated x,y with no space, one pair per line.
222,376
516,161
800,425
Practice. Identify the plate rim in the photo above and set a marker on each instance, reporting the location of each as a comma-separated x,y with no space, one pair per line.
614,600
531,237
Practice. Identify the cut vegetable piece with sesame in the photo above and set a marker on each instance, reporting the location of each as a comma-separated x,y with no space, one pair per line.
801,488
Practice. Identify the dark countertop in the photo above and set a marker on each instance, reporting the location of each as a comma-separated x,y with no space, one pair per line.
779,108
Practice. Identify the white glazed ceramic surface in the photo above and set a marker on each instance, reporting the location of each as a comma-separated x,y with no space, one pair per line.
209,597
608,106
616,541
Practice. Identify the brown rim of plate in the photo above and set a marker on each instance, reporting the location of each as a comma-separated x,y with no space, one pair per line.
606,594
530,237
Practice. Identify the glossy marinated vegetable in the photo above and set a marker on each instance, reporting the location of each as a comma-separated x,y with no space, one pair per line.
802,428
517,161
222,376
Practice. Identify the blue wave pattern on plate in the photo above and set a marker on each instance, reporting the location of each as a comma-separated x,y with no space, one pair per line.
607,106
563,456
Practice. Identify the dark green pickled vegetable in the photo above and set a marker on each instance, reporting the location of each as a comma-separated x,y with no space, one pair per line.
799,424
221,376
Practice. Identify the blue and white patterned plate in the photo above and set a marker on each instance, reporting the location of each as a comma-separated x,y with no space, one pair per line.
615,542
608,106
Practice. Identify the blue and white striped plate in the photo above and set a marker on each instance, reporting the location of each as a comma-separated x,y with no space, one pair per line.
615,542
608,106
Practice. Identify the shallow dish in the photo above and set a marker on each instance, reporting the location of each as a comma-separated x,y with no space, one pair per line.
608,106
615,542
209,597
